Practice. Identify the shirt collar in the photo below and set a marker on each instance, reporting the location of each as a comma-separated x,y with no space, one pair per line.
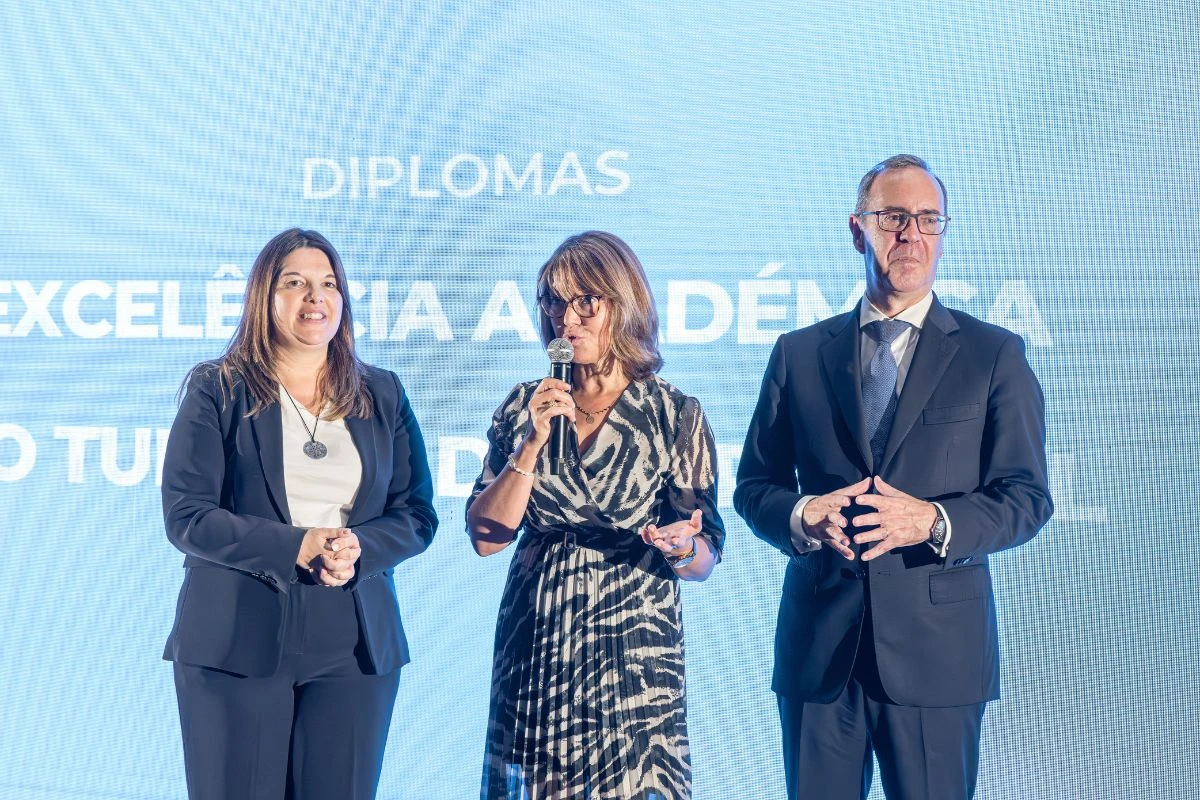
914,315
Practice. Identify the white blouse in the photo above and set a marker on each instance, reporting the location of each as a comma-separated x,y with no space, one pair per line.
320,491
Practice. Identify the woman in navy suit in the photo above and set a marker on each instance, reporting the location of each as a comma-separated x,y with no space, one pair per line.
295,480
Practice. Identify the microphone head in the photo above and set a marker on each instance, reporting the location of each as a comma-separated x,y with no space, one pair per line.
560,351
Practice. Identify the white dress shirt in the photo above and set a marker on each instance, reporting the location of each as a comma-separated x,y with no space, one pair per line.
903,347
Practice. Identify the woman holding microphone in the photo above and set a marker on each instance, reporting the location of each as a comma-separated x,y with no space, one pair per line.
588,677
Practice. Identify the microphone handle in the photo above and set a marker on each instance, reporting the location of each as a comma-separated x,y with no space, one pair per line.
558,425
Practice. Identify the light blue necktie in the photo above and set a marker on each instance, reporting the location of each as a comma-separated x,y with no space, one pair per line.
879,385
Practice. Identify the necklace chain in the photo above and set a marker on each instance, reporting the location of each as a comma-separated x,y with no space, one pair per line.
312,448
590,416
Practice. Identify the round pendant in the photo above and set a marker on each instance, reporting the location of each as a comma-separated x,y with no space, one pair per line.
315,449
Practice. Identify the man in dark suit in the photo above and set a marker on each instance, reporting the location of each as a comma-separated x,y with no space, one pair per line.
892,450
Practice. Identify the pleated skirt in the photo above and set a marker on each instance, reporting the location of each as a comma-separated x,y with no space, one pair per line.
588,696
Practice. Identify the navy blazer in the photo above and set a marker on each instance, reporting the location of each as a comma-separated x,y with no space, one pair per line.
226,508
969,432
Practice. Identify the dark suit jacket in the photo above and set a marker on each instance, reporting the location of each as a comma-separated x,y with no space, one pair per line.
969,432
226,508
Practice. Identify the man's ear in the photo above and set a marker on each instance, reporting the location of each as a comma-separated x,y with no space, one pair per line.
858,234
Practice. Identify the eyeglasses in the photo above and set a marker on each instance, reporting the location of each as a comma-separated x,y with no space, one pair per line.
585,305
896,221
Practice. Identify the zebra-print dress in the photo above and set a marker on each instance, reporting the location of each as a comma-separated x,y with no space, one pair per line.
588,696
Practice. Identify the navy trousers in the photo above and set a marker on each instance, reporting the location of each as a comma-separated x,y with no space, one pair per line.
923,753
315,730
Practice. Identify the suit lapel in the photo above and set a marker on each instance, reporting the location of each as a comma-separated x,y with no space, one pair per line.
268,435
840,358
362,432
935,350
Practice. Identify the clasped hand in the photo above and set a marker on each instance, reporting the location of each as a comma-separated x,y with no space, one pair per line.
329,555
899,519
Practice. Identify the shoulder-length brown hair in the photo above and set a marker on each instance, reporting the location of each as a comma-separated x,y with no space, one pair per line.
600,263
251,354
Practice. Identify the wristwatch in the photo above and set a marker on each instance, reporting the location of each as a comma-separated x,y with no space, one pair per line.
682,561
937,531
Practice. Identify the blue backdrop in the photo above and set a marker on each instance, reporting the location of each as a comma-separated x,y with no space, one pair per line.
150,149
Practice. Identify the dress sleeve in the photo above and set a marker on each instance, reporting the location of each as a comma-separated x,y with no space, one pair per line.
508,422
693,479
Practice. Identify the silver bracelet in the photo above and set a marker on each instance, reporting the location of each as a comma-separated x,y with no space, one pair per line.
513,466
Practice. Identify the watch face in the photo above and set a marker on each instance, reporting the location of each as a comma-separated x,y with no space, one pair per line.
937,534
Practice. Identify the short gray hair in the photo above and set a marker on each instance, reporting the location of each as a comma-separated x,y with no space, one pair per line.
895,162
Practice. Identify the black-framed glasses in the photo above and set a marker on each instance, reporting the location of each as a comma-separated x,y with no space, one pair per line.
585,305
895,221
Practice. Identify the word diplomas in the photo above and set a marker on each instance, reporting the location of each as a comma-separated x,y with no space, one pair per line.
463,175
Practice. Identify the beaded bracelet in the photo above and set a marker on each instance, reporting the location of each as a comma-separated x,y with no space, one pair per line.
513,466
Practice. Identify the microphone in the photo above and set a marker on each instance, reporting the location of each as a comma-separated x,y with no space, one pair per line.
561,352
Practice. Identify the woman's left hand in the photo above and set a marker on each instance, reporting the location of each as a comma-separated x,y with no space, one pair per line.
338,560
676,539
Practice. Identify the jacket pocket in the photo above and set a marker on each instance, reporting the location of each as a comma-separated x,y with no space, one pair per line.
940,416
957,585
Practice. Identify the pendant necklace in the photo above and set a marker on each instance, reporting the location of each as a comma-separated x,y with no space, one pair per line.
312,448
590,416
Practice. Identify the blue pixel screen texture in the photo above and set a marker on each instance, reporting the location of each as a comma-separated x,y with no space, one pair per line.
151,149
